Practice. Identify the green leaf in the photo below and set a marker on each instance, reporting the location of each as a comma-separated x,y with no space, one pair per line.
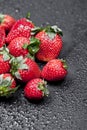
28,15
30,56
1,78
33,47
17,75
35,30
8,79
51,35
7,92
46,91
1,18
6,57
64,64
23,66
5,82
25,46
19,59
57,30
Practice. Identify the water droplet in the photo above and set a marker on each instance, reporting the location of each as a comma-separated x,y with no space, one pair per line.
17,10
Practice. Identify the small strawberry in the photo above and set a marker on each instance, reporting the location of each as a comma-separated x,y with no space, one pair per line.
51,42
36,89
7,85
54,70
6,21
22,27
4,60
2,36
24,69
22,46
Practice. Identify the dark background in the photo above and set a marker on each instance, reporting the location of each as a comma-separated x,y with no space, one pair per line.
66,106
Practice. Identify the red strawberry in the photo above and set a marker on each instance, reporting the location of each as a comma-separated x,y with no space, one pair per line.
22,27
24,69
23,46
36,89
16,46
4,61
51,42
54,70
7,85
2,36
6,21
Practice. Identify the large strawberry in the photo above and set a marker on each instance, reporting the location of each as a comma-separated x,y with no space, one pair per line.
7,85
24,69
6,21
36,89
54,70
2,36
22,46
4,60
22,27
51,42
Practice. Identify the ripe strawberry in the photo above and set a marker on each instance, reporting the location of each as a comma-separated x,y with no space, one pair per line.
22,27
36,89
6,21
54,70
4,61
7,85
22,46
51,42
24,69
2,36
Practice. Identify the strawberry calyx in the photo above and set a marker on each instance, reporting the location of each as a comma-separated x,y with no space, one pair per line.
5,52
54,29
43,87
16,64
50,30
1,18
5,89
33,47
64,64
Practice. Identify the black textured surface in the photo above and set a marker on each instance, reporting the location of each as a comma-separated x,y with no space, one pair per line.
66,107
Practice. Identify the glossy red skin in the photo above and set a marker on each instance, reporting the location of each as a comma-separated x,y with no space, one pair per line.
2,36
16,46
54,70
7,22
31,90
4,65
33,71
49,48
13,85
22,27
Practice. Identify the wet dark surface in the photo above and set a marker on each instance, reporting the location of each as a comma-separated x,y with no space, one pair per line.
66,106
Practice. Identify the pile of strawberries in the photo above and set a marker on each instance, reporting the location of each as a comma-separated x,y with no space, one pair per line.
21,45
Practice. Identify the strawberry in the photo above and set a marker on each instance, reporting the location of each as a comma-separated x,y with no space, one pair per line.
6,21
4,60
22,46
2,36
51,42
22,27
54,70
7,85
36,89
24,69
